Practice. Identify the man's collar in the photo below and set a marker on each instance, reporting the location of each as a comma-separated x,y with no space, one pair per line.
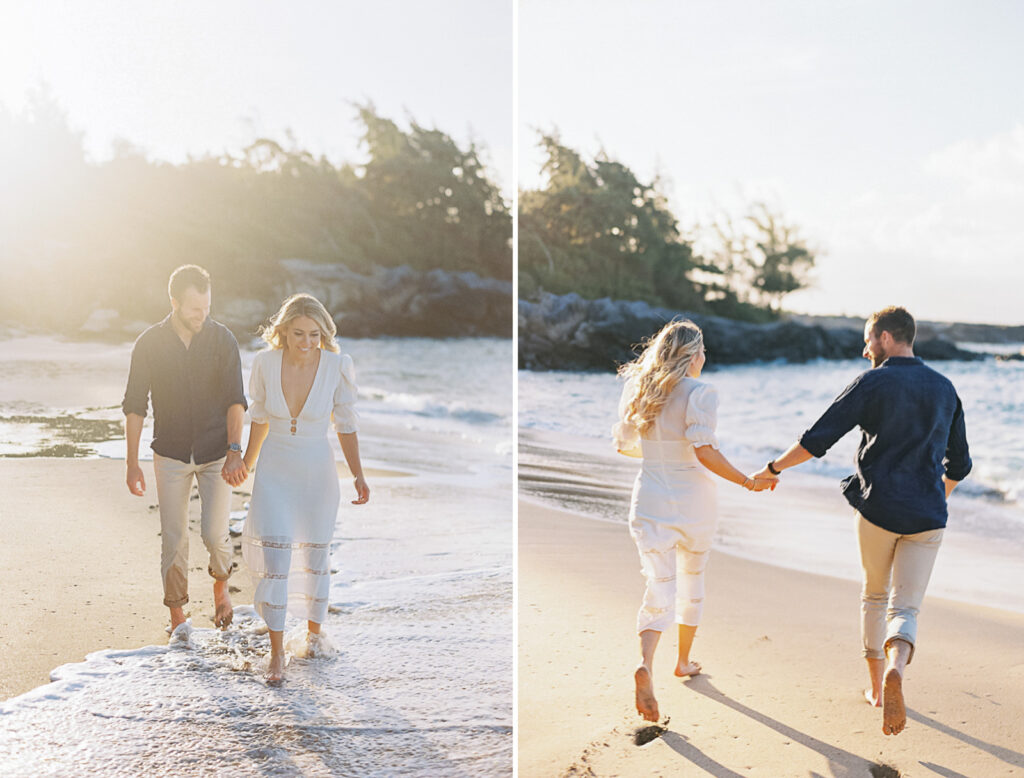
893,361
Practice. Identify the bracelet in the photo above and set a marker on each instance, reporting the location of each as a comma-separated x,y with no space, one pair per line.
772,470
746,481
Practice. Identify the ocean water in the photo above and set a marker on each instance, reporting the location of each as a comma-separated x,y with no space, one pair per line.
421,596
566,459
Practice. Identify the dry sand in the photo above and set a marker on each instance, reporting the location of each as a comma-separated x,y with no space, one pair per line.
781,693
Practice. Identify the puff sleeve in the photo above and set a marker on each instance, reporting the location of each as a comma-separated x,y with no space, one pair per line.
702,416
624,433
258,391
345,418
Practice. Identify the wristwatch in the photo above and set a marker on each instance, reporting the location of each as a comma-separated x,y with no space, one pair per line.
237,448
771,468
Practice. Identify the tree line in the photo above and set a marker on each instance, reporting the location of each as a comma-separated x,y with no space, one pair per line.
75,235
595,229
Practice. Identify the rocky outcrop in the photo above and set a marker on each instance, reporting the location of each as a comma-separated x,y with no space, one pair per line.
395,301
403,302
567,332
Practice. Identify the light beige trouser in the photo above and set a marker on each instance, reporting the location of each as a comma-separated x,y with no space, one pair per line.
896,573
174,490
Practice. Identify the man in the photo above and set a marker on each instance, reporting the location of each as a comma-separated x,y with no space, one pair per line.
912,453
191,367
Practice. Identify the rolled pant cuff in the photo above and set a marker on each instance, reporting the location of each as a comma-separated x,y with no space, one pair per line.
906,639
176,603
216,577
873,653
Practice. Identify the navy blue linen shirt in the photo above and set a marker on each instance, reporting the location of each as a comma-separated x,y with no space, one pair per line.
912,426
192,389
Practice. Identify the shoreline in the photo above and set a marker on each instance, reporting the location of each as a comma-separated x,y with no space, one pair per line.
781,689
80,565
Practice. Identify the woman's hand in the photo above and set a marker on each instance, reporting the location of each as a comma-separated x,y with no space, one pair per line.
362,491
758,483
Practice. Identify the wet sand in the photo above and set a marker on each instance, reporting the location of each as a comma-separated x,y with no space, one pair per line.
781,692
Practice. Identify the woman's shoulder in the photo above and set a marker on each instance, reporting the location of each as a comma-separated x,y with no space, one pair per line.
266,356
696,386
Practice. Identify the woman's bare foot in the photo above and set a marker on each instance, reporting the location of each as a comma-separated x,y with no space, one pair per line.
646,705
874,700
894,712
223,612
275,670
685,669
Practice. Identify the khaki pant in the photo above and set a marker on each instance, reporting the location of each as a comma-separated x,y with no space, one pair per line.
174,490
896,573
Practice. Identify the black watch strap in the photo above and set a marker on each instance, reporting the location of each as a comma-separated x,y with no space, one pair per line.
772,470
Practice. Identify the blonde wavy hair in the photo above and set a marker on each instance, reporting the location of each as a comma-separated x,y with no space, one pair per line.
659,369
292,308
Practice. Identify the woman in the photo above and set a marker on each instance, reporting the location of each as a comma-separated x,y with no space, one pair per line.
668,417
296,385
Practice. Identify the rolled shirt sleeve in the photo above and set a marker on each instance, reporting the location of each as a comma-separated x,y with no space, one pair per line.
702,416
136,394
841,416
258,391
233,387
957,462
345,417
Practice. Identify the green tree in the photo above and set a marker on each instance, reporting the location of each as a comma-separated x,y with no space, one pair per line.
596,229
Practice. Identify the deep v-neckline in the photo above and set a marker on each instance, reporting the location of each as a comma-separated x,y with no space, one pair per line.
280,384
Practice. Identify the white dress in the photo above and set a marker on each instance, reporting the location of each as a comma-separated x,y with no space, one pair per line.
673,513
294,505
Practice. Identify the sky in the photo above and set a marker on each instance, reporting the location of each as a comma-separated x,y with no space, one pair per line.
891,133
189,78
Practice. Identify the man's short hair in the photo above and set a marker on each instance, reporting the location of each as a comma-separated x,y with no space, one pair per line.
188,276
895,320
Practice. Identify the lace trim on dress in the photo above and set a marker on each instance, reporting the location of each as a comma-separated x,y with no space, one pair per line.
279,544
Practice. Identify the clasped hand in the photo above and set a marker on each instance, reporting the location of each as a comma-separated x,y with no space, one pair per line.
761,480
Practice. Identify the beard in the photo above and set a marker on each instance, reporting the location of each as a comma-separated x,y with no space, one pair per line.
879,358
189,324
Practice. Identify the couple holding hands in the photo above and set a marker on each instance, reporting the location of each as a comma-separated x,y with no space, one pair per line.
190,367
913,451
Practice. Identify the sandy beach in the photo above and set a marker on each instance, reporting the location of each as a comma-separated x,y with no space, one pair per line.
80,565
781,692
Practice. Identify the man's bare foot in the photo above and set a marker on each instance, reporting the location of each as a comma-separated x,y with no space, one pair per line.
275,670
223,612
177,618
874,700
646,705
684,669
894,712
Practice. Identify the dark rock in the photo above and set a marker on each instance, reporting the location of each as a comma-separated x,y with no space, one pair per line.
566,332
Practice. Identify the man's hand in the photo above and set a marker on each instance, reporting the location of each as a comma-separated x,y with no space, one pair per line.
234,470
764,472
362,490
136,480
761,482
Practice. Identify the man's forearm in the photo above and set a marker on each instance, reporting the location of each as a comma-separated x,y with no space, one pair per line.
795,455
235,423
950,485
132,435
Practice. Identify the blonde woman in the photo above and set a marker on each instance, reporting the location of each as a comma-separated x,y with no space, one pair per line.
668,417
296,386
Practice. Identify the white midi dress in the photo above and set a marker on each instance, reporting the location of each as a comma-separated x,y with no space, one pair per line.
287,535
673,512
